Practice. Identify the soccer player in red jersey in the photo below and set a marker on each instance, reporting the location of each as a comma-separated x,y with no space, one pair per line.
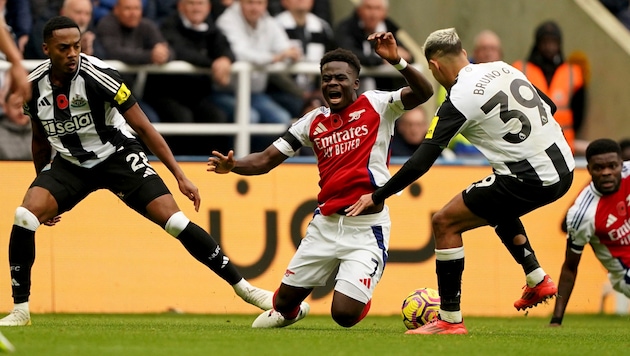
599,217
351,139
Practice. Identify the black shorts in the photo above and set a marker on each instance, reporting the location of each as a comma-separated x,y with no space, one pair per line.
126,173
498,198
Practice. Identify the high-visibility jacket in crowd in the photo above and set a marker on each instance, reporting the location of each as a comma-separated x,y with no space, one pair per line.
565,82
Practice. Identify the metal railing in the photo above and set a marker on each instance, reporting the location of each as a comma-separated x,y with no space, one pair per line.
242,129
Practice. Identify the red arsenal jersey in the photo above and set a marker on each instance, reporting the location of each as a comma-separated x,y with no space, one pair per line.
351,146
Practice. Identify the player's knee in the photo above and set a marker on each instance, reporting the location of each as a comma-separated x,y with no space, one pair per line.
440,221
26,219
176,224
346,318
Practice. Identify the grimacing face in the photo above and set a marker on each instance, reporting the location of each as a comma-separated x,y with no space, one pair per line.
339,85
605,171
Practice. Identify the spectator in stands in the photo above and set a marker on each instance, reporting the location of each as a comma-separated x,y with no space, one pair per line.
17,14
15,130
104,7
128,37
314,37
192,34
78,10
320,8
370,16
562,81
258,38
410,131
486,47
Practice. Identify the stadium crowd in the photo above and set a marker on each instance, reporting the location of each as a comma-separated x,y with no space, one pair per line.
214,34
211,34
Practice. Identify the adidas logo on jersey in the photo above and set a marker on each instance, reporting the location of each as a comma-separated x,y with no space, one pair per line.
321,128
44,102
611,220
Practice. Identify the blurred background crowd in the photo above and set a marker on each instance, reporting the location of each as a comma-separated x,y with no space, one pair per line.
214,34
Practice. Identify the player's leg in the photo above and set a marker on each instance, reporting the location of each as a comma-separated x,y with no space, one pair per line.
53,192
153,200
311,266
129,174
501,200
362,248
448,225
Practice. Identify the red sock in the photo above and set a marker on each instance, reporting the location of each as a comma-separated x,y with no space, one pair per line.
293,314
273,300
289,316
365,311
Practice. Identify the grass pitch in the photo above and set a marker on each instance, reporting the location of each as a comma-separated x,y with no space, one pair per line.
182,334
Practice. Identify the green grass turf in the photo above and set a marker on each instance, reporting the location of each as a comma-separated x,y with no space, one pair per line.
181,334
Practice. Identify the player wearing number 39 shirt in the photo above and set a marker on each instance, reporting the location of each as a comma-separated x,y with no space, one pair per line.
80,107
497,109
351,139
599,217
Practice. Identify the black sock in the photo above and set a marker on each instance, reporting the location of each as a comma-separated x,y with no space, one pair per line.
525,256
203,247
522,254
21,259
449,274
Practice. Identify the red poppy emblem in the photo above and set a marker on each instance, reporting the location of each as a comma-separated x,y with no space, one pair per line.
336,121
62,101
621,208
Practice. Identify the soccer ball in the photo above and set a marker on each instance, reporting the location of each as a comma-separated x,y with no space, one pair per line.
420,307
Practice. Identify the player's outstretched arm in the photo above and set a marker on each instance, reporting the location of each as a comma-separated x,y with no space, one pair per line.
568,274
253,164
419,89
417,165
155,142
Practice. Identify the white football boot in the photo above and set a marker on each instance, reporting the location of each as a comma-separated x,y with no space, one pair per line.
255,296
273,319
18,317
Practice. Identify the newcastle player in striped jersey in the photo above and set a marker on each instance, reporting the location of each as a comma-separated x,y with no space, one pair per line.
79,108
498,110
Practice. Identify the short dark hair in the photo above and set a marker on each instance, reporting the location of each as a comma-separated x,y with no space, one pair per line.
600,146
341,55
58,23
624,143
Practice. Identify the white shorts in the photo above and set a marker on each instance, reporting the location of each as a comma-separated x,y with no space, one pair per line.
357,245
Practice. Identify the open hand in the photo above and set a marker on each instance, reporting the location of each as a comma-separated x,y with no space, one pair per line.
363,203
385,46
220,163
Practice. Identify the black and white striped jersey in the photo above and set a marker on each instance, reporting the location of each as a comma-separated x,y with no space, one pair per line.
499,111
83,120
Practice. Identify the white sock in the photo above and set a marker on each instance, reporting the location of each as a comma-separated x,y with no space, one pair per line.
242,286
534,277
22,306
451,316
